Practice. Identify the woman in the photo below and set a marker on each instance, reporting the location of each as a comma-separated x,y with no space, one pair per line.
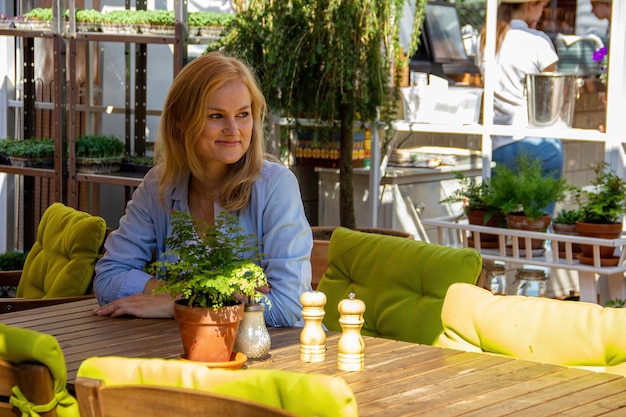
520,50
211,158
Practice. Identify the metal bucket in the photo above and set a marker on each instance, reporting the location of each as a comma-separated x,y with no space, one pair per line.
551,99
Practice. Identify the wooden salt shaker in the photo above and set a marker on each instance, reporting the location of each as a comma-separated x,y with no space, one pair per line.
351,348
313,336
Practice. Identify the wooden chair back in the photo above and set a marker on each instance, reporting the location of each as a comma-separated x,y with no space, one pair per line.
34,381
97,400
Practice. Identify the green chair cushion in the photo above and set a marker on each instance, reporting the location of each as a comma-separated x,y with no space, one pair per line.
569,333
303,394
61,262
401,281
23,345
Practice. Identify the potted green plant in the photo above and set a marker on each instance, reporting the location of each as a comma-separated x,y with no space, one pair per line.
601,210
96,154
208,24
207,266
120,21
523,194
39,18
475,197
564,223
137,164
31,153
331,61
159,22
88,20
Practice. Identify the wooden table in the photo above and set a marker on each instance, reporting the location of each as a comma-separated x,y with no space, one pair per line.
399,378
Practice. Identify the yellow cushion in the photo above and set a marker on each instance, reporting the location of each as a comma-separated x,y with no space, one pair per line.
302,394
569,333
22,345
61,262
401,281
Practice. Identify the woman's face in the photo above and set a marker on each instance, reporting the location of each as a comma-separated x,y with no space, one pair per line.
228,126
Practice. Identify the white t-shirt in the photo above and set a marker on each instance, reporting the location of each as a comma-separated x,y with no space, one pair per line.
523,51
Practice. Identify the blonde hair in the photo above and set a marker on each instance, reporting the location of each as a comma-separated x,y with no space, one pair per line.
182,122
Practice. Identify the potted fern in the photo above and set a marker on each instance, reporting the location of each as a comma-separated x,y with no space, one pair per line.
209,269
524,193
601,211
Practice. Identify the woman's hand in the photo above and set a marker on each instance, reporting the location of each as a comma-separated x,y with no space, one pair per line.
144,305
139,305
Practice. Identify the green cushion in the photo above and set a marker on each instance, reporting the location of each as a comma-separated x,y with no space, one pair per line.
569,333
61,262
22,345
402,282
302,394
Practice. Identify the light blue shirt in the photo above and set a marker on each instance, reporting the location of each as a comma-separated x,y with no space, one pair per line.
275,214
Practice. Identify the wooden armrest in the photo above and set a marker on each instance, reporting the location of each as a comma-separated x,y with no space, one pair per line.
10,278
8,305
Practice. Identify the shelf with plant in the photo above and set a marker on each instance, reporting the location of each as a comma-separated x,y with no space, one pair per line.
5,21
158,22
208,24
39,18
205,268
99,154
88,20
120,21
31,153
137,164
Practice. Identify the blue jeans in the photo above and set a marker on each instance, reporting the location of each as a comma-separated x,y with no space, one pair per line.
548,150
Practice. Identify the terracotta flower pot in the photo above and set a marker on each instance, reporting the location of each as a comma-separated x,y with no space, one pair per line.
208,335
602,231
477,217
570,230
519,222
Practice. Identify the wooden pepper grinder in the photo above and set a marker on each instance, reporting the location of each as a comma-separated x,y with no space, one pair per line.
313,336
351,348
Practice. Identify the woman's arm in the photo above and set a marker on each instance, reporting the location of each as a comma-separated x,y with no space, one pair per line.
286,240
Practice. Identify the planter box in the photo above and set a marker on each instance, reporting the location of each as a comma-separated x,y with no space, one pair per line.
99,165
21,162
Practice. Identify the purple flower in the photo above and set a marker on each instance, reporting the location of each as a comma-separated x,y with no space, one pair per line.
599,54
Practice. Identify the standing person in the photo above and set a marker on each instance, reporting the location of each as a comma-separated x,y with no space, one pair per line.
520,50
211,158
